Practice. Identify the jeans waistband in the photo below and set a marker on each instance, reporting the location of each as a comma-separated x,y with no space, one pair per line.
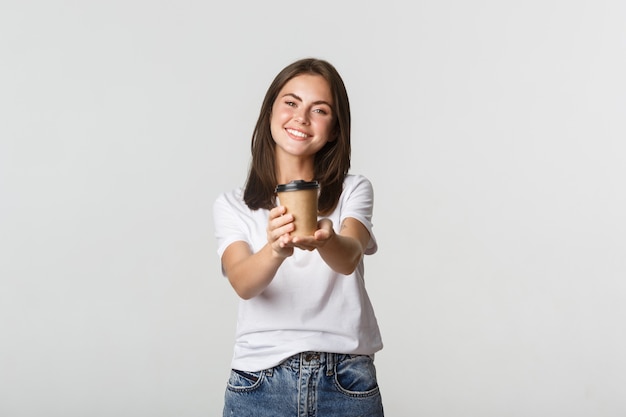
315,360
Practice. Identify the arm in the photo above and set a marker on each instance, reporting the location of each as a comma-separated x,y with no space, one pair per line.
250,273
342,252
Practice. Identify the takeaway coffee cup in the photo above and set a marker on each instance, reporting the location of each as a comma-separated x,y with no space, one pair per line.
300,199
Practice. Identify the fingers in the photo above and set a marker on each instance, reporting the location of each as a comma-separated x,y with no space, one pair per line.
325,231
322,235
325,224
279,223
316,241
277,212
304,242
278,228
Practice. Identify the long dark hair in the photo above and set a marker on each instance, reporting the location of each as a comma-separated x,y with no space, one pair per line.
332,162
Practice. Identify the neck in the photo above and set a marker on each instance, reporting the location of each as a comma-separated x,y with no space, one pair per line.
287,175
295,169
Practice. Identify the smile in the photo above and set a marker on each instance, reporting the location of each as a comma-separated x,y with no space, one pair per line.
297,133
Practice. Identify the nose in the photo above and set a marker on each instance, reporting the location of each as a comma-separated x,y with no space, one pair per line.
302,117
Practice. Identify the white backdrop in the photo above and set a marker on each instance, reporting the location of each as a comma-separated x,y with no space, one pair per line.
493,132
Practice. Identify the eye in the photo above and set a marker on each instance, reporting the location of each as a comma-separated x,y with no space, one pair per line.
320,111
290,103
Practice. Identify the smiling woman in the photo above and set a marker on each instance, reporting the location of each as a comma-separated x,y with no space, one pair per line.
301,124
331,162
492,131
292,355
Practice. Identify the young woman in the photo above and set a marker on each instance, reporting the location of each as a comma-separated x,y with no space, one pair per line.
306,331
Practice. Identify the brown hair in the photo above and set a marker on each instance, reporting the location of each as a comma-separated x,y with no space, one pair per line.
332,162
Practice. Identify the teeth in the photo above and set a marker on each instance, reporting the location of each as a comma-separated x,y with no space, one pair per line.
296,133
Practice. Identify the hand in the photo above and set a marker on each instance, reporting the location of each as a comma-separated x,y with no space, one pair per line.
323,234
279,226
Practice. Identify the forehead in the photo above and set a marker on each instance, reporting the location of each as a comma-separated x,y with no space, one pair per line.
310,87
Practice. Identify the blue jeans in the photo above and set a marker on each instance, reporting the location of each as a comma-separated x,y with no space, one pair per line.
310,384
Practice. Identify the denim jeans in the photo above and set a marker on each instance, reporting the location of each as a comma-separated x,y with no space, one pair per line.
310,384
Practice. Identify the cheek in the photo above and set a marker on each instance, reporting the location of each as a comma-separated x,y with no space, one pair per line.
279,117
274,121
326,128
274,129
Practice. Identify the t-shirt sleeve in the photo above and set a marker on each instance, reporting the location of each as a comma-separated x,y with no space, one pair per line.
359,204
228,226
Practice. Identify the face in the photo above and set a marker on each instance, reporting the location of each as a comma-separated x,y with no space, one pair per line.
302,116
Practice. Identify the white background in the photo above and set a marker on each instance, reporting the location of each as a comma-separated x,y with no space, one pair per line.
493,132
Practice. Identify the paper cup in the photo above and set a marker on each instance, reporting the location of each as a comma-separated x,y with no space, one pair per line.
300,199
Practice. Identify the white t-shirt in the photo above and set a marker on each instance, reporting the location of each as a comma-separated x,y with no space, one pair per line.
307,306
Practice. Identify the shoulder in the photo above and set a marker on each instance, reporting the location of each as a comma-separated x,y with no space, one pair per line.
230,200
357,192
352,181
357,183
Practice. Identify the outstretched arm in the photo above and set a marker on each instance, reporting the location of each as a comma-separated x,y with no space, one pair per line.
250,273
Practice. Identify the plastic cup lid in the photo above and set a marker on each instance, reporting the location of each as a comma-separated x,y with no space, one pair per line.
297,185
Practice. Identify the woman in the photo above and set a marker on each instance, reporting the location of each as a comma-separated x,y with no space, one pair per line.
306,331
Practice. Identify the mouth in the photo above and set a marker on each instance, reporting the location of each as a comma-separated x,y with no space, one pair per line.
297,134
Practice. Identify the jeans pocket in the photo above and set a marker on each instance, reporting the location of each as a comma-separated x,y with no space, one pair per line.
241,381
356,376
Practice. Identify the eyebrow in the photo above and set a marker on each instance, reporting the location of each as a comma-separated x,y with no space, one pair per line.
300,99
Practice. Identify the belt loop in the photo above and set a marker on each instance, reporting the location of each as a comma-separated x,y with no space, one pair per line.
330,364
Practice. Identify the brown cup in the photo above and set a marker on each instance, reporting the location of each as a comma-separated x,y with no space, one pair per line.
300,199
